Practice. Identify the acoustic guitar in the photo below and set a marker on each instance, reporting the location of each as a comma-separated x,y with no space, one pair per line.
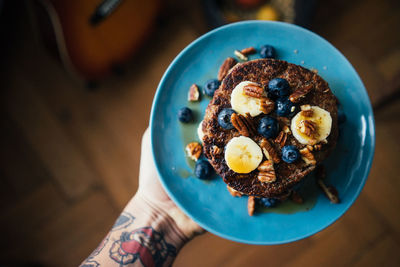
93,37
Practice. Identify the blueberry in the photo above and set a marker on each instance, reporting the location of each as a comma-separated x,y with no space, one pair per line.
267,51
268,202
268,127
224,118
278,87
185,114
290,154
284,107
203,169
211,86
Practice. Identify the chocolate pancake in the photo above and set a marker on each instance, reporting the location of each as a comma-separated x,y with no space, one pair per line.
215,138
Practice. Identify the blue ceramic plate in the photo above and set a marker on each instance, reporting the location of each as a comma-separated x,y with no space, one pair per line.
209,203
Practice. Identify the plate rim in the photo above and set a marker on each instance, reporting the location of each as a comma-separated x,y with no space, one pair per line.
370,132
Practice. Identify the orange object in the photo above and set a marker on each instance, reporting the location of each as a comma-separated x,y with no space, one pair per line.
92,50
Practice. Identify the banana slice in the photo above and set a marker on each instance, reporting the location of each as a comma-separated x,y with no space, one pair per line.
242,103
200,133
242,154
319,128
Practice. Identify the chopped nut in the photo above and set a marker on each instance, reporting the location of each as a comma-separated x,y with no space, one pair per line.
244,124
308,128
216,150
225,67
240,55
301,92
233,192
250,124
239,125
248,51
267,105
317,147
267,172
286,129
194,150
296,197
269,151
253,90
285,121
307,113
194,94
307,156
329,191
251,205
281,138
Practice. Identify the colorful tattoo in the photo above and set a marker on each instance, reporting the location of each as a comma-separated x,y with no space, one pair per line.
123,221
90,263
144,244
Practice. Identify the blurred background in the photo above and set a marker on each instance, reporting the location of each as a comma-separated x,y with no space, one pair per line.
77,83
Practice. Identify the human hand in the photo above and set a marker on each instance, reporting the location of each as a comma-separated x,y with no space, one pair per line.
151,190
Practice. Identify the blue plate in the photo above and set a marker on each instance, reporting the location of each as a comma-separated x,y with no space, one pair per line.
209,203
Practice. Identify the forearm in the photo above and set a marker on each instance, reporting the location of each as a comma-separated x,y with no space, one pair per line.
143,235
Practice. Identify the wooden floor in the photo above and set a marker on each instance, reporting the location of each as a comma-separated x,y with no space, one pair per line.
69,156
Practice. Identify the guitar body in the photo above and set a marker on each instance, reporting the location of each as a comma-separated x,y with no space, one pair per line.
89,50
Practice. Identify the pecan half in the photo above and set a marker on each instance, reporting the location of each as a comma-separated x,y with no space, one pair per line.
251,205
314,147
194,150
253,90
239,125
194,94
250,124
248,51
267,172
301,92
244,124
317,147
234,192
267,105
281,138
269,151
240,55
286,129
329,191
307,113
225,67
307,156
216,150
308,128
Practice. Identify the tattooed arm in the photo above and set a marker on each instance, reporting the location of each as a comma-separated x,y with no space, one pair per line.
151,229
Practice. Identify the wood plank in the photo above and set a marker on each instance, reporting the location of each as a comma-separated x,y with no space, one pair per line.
60,156
267,255
340,243
21,169
384,253
108,124
367,70
92,218
389,65
78,228
382,188
23,218
207,250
